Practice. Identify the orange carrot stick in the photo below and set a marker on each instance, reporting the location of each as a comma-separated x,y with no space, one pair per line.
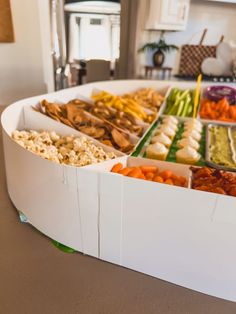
149,176
169,181
125,171
146,169
158,179
141,176
166,174
135,173
117,167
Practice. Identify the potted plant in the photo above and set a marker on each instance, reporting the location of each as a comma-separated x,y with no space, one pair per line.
161,48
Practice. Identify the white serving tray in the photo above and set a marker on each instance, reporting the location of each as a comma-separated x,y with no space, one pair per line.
177,234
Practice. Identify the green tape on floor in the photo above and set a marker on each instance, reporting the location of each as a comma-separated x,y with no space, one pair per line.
63,247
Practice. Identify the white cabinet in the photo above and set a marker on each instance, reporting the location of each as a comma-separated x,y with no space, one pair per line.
168,15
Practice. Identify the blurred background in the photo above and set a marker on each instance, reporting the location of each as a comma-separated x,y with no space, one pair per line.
59,44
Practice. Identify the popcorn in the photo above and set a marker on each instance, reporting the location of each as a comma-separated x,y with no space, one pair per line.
70,150
54,136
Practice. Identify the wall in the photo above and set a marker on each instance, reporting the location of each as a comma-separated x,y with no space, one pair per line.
219,18
129,29
21,64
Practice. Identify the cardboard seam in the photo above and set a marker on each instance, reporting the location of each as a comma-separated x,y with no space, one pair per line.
121,221
24,122
64,175
214,209
79,212
99,216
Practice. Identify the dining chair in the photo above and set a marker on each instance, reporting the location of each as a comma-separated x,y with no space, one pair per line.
98,70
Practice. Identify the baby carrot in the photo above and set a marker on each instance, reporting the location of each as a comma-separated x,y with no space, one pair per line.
177,183
174,177
182,181
166,174
125,171
141,176
146,169
149,176
135,173
158,179
169,181
117,167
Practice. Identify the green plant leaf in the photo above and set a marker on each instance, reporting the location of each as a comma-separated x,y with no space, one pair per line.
160,45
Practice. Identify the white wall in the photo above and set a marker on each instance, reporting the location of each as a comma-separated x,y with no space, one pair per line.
21,64
219,18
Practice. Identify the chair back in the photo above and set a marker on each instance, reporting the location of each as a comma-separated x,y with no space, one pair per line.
116,72
98,70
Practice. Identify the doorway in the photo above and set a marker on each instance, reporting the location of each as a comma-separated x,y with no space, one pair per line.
82,31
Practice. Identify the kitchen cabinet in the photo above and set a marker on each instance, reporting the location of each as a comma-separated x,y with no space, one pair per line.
168,15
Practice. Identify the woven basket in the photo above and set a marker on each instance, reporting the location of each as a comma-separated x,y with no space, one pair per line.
192,56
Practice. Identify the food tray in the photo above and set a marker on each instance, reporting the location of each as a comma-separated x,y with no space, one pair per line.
173,148
142,145
145,125
162,91
208,158
133,139
184,88
208,120
191,177
115,218
211,121
145,139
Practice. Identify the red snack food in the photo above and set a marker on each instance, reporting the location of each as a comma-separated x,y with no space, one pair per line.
214,180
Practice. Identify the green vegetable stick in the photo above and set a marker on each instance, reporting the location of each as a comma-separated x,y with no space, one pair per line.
186,92
190,108
169,107
181,105
186,105
174,109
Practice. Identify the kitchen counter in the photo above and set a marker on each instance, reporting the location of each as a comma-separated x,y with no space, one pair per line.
205,78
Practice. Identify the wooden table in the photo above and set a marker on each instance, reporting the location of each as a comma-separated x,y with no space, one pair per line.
165,72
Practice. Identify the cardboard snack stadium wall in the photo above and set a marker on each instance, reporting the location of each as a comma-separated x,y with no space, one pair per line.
181,235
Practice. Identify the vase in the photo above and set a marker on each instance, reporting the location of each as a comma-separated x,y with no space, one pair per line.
158,58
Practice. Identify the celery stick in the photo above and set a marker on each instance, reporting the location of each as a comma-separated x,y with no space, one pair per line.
181,104
190,108
174,109
185,93
185,110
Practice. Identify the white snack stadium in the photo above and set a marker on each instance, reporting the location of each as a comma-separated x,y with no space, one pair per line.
184,236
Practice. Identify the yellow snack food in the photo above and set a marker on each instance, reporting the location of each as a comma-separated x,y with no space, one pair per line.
125,104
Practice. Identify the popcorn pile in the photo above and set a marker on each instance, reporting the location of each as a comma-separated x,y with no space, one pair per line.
70,150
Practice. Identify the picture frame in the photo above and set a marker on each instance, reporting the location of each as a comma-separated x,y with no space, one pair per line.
6,24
